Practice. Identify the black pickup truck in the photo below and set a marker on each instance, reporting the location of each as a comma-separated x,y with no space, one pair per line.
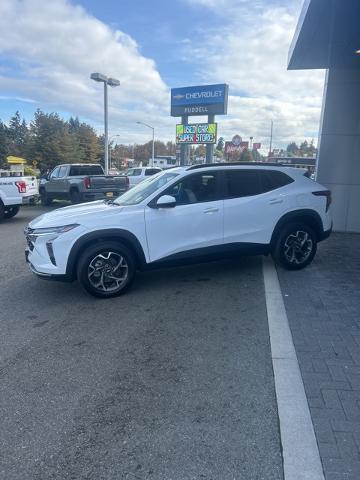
81,182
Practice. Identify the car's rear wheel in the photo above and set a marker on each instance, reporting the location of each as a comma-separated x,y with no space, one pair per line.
75,196
2,211
11,211
295,246
44,198
106,270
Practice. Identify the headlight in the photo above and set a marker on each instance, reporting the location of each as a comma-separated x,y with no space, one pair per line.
33,233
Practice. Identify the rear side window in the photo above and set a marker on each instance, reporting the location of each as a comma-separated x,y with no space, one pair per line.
82,170
152,171
242,183
272,179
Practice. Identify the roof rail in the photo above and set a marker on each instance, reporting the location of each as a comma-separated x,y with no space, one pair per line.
230,164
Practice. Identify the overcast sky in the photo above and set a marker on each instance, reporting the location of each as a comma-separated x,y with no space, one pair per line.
49,48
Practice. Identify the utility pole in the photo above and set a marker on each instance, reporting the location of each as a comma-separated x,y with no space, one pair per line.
271,137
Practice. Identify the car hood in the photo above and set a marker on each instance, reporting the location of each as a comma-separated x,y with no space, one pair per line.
76,214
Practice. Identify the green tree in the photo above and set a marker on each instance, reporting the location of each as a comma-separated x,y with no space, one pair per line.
18,136
4,144
246,156
89,149
292,149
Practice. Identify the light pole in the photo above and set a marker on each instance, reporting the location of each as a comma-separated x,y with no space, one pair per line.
110,140
153,140
271,137
113,82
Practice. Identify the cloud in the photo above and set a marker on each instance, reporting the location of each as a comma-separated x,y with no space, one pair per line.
54,46
49,49
250,52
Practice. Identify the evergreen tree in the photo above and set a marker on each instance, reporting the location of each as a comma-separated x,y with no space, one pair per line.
4,144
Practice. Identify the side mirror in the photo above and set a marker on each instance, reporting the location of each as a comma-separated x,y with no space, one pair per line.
166,201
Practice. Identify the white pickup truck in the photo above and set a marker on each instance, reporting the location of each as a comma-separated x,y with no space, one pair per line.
14,192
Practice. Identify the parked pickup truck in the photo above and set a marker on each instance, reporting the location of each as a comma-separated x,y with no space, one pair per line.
82,182
14,192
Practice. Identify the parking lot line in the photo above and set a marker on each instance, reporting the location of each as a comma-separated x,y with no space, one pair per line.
300,451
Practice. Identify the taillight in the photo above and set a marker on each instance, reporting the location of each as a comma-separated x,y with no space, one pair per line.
87,182
324,193
21,185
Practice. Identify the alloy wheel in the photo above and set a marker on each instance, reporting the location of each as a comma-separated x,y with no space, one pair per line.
298,247
108,271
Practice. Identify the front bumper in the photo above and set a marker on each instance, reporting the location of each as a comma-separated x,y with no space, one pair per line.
46,276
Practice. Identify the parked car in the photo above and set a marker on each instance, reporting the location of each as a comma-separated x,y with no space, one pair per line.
138,174
16,191
180,213
81,182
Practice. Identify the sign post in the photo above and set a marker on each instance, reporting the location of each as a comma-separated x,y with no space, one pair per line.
199,100
184,148
210,146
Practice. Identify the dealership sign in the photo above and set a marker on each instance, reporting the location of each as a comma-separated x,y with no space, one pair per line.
199,100
196,133
236,145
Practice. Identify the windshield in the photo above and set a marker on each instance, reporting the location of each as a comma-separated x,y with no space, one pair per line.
144,189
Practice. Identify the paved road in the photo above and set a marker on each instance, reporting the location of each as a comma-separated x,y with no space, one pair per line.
172,381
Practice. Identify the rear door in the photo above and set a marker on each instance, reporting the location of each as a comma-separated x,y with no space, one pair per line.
196,222
255,200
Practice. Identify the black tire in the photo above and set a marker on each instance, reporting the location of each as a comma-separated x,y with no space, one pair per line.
11,211
90,268
2,211
75,196
295,246
44,198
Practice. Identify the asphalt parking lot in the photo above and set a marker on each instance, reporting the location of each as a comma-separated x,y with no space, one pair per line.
171,381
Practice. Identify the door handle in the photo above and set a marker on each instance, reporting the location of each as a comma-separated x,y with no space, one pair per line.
274,201
211,210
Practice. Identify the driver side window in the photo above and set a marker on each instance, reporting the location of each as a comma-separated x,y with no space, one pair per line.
197,188
54,173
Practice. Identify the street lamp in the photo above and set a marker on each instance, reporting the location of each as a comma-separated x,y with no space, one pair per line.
113,82
110,140
153,139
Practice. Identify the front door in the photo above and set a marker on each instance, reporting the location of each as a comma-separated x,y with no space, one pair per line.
196,222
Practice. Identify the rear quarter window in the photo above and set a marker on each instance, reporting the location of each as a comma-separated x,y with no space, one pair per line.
272,179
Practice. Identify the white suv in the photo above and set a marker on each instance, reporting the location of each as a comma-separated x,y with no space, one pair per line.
180,213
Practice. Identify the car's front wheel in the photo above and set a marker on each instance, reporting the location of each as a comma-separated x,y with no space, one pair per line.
106,269
295,246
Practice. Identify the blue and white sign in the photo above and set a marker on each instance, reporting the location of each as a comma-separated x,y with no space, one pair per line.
199,100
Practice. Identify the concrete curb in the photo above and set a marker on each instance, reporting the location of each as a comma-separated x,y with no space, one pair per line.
300,451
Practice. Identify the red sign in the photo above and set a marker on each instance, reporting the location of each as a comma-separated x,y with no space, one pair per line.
244,144
257,146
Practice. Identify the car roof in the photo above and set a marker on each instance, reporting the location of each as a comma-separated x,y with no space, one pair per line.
239,164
